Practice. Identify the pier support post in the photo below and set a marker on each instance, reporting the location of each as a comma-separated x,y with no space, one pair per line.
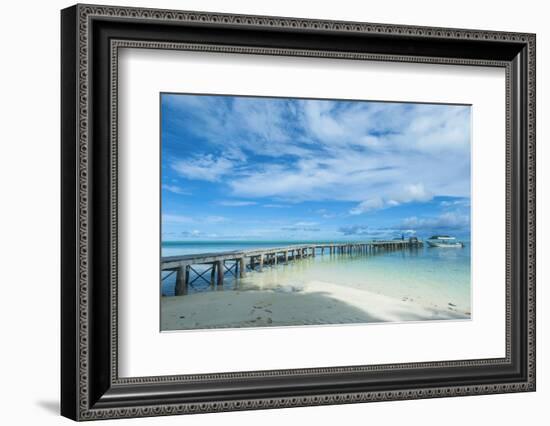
313,251
261,262
286,256
181,282
219,267
213,274
241,267
276,260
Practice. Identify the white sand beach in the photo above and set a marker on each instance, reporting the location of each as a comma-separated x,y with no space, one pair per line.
318,302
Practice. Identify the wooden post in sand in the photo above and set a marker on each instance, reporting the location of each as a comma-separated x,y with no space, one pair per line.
181,282
219,267
213,274
241,267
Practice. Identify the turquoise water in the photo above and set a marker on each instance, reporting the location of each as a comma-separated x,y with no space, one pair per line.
428,276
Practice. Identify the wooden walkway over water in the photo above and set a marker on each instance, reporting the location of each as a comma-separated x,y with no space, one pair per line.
238,262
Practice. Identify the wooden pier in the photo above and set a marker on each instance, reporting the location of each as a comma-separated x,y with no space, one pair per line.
238,262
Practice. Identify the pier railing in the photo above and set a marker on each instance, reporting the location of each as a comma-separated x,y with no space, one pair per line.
238,262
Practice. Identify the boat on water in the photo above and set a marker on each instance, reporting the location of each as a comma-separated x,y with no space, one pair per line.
443,241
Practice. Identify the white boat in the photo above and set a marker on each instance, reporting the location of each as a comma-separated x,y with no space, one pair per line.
443,241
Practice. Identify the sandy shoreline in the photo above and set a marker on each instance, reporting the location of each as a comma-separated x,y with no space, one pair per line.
318,303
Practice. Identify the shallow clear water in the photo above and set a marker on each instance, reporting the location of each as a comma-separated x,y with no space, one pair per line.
429,276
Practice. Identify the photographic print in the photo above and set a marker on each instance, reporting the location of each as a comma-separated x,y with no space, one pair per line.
298,212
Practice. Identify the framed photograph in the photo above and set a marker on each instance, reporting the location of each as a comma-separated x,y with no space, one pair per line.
263,212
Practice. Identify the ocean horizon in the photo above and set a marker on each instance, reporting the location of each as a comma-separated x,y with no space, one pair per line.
185,247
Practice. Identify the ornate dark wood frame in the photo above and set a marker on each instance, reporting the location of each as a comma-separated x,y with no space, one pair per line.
91,37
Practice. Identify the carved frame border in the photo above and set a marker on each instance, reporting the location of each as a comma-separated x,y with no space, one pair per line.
87,12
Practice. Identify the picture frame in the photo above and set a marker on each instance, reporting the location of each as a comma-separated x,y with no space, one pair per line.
90,384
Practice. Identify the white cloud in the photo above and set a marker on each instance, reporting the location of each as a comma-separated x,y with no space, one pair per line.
375,154
206,167
301,229
175,218
343,176
275,206
447,220
355,230
168,218
410,193
368,205
215,219
193,233
237,203
455,203
306,223
175,189
414,192
325,214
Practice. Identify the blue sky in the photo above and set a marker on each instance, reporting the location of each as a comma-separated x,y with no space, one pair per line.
298,169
